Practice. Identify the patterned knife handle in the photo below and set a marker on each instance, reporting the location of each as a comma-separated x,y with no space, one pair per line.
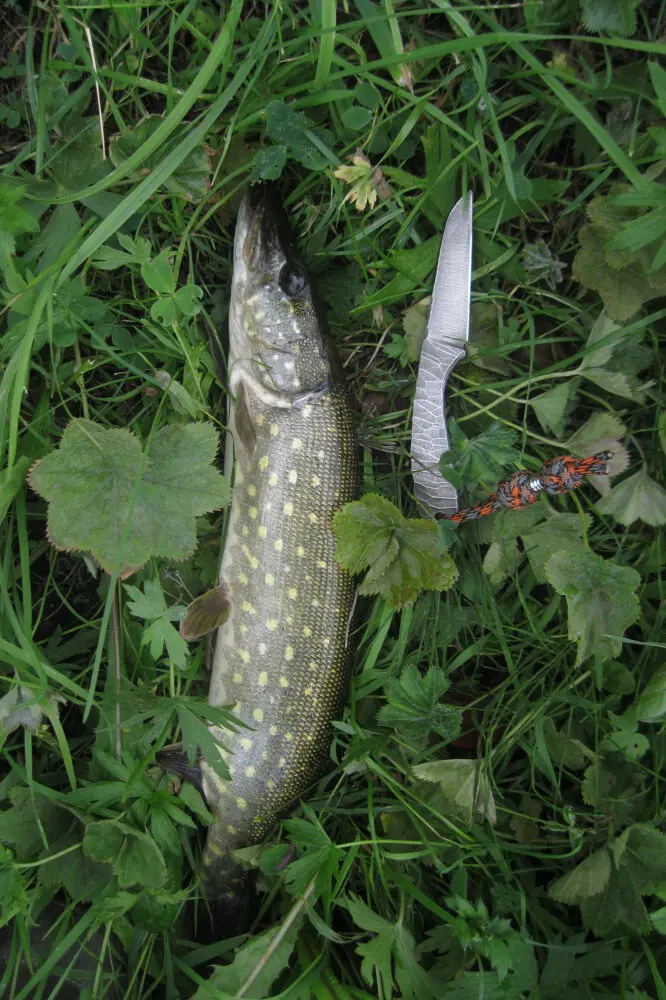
429,434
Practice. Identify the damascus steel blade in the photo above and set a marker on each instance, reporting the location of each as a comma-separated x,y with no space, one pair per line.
448,331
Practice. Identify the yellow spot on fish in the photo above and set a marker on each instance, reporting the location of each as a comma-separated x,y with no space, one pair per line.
245,743
278,545
252,491
316,481
313,518
243,628
282,761
258,714
307,691
261,531
321,563
241,803
293,476
293,593
326,641
207,860
284,683
288,508
253,513
231,829
273,730
270,784
242,578
264,755
309,737
245,530
314,665
307,631
289,653
260,419
238,677
250,771
272,479
300,551
263,462
296,444
289,736
262,679
253,561
215,849
263,648
250,608
272,624
316,603
269,579
275,430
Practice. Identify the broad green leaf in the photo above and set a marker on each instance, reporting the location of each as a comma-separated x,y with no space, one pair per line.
251,958
618,906
290,128
191,178
617,383
401,555
601,600
587,879
623,292
558,533
356,118
637,498
601,427
552,408
618,679
481,460
140,862
188,299
615,17
652,702
103,840
414,323
414,707
501,560
541,264
641,850
198,739
158,275
549,15
268,164
465,784
123,505
321,857
600,343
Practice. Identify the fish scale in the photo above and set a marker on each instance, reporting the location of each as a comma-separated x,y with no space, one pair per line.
282,657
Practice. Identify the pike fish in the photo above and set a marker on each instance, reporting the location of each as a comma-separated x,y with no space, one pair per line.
282,658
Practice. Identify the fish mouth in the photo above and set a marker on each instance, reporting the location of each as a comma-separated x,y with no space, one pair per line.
261,231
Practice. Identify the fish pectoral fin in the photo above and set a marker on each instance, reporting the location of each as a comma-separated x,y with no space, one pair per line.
174,760
245,431
206,613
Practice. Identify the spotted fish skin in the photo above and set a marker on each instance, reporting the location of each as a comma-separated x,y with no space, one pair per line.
282,658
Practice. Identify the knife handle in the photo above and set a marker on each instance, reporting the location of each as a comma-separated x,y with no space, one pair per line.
429,434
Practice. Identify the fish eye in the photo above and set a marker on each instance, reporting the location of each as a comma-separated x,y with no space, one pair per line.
292,280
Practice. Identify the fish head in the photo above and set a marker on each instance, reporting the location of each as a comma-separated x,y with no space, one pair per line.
273,322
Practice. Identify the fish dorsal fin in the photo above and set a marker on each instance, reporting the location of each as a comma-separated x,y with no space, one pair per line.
244,428
174,760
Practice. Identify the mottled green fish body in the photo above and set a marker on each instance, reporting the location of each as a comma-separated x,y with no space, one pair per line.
282,658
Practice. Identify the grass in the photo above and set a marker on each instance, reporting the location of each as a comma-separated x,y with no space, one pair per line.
411,870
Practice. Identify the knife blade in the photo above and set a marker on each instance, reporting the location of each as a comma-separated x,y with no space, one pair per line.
444,346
